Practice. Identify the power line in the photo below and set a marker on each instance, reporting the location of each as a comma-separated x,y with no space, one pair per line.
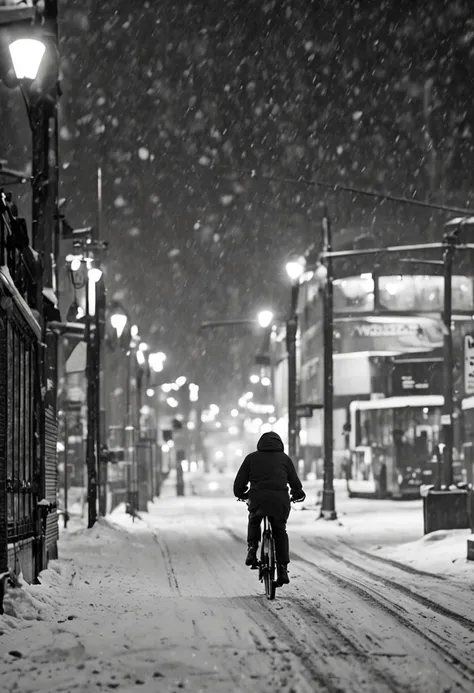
338,187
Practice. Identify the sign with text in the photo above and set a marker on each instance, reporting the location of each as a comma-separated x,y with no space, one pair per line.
379,333
417,378
469,365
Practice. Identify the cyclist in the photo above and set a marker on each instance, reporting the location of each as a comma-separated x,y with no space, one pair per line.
269,471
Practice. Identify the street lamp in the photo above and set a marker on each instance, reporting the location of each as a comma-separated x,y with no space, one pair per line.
156,361
27,55
325,275
294,269
265,318
118,322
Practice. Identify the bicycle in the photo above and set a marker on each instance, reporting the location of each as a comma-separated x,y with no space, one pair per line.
267,564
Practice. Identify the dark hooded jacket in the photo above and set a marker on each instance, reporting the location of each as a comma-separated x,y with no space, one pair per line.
268,471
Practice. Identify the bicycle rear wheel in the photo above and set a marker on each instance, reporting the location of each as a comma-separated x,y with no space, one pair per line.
269,564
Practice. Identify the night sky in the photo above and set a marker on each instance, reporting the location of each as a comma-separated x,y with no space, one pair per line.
171,98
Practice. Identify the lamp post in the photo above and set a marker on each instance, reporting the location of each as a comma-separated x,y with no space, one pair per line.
94,275
328,503
35,69
294,269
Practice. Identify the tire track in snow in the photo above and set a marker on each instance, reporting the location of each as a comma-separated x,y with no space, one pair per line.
170,571
393,584
389,561
460,661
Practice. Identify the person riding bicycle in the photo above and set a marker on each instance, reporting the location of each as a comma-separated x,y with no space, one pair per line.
269,471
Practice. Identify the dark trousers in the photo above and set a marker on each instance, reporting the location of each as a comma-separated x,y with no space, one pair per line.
278,525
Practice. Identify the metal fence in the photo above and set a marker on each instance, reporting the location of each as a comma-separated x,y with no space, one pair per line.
28,527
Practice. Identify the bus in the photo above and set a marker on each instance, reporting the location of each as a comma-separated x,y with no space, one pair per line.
392,445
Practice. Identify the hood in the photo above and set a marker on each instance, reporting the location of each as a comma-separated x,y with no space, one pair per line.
270,442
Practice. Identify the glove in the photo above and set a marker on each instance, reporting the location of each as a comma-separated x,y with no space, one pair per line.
298,497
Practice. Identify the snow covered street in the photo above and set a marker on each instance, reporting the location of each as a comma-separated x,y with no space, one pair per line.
166,604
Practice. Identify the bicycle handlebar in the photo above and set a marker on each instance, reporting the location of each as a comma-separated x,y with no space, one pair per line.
292,500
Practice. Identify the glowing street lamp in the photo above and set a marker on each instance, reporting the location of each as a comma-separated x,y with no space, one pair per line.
27,55
156,360
118,322
295,268
254,379
265,318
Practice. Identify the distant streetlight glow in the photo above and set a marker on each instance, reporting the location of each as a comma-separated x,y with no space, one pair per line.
321,273
234,413
172,402
143,346
233,430
166,387
134,330
141,358
294,269
118,322
156,360
75,262
265,318
248,395
27,55
193,392
254,379
266,382
150,392
214,408
181,381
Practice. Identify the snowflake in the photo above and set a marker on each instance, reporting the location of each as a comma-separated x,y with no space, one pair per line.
64,133
143,153
357,115
204,160
119,202
226,200
134,231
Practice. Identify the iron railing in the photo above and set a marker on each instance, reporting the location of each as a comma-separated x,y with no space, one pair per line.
20,397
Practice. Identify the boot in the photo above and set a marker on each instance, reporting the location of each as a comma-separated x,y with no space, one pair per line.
251,559
282,574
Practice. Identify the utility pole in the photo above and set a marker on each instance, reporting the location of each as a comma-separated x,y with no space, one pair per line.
449,244
291,331
91,399
328,505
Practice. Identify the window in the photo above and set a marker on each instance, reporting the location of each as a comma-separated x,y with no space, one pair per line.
423,293
354,294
